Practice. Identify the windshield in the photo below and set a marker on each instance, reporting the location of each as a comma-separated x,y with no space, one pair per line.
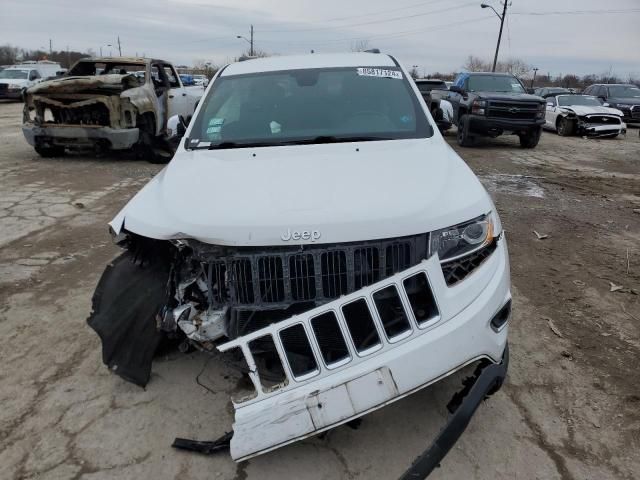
624,91
105,68
16,74
491,83
309,106
587,101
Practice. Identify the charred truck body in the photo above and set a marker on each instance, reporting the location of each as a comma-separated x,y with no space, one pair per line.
103,103
315,227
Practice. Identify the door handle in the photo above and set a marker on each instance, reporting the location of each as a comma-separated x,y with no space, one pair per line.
170,96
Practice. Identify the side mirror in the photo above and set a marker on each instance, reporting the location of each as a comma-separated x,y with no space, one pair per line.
456,89
176,128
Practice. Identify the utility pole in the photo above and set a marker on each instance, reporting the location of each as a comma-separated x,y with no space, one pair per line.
68,58
504,13
251,48
50,47
535,70
120,47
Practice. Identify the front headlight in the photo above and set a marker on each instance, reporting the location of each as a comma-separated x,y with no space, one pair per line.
478,107
464,238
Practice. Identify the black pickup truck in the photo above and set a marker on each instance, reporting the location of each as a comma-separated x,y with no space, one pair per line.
492,104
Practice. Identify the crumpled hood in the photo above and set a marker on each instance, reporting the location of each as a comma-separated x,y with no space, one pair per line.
581,110
341,192
114,82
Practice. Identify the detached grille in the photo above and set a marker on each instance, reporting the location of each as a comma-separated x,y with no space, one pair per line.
512,110
458,270
277,277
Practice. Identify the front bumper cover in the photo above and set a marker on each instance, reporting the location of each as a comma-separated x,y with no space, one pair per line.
78,136
487,379
460,334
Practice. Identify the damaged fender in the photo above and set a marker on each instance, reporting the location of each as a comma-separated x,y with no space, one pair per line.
126,301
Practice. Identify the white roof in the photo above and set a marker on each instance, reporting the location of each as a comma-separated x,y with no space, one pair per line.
312,60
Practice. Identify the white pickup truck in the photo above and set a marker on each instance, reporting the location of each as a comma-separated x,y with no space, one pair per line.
104,103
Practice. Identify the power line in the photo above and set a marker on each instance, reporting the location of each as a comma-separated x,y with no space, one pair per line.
578,12
407,7
372,22
430,28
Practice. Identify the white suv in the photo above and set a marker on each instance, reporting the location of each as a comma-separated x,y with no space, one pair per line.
315,226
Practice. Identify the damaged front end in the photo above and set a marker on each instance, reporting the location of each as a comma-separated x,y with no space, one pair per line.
325,333
85,112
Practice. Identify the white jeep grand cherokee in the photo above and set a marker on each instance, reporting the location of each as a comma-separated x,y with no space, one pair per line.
314,226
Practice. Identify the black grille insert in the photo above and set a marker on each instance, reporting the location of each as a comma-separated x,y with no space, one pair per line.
329,336
276,277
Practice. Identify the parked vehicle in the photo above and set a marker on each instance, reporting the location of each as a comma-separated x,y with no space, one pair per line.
187,79
625,97
16,79
493,104
201,80
114,109
315,224
550,91
433,91
583,115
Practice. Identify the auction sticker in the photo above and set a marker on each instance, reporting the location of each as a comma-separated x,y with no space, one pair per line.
379,72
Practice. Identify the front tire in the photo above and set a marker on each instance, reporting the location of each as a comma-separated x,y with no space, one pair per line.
463,137
50,152
565,127
531,138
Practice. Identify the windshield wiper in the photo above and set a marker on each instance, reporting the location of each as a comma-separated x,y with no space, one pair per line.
227,145
334,139
302,141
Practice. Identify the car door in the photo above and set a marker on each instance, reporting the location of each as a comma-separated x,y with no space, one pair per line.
551,113
178,103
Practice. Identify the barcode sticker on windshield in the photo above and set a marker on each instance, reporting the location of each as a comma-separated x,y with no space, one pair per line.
379,72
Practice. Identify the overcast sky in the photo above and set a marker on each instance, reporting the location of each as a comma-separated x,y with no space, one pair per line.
437,35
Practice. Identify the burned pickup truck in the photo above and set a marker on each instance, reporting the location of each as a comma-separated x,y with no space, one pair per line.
315,228
107,104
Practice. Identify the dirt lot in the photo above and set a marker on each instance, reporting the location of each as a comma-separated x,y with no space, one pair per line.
570,409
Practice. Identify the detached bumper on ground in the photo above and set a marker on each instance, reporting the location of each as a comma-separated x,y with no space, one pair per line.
469,324
80,136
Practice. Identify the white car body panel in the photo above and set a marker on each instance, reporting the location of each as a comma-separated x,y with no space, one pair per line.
304,407
190,197
326,194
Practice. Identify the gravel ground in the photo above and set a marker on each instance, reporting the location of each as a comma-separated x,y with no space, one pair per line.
570,408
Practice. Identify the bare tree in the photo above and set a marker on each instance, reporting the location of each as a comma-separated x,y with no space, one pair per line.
360,45
8,54
476,64
514,66
414,72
